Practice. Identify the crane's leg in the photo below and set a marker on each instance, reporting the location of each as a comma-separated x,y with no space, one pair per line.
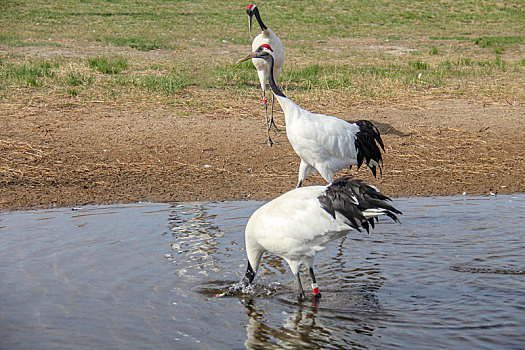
299,286
272,122
269,140
315,288
249,275
303,172
247,280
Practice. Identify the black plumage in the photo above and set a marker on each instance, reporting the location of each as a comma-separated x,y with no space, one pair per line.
351,197
366,144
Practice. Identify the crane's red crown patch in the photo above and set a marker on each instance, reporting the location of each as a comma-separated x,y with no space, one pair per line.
267,46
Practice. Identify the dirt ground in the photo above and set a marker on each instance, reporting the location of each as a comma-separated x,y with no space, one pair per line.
60,151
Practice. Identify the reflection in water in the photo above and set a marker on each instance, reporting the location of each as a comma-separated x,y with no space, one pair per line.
295,332
144,276
307,325
199,246
195,237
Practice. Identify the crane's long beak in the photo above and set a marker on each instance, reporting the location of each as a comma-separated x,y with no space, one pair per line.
250,16
252,55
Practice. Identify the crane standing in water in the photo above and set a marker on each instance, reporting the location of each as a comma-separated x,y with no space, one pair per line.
299,223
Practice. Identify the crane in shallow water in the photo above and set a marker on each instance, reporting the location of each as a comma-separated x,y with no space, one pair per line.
298,224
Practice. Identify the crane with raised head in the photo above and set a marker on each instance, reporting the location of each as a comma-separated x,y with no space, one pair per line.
267,36
324,143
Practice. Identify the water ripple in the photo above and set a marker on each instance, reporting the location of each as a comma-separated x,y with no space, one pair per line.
147,275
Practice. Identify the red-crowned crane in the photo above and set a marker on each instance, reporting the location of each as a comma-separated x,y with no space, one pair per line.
267,36
324,143
299,223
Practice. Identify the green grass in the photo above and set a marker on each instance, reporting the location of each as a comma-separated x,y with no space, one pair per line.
72,92
164,24
139,43
28,74
499,41
162,79
164,84
388,76
167,84
418,65
234,75
16,41
453,43
146,25
107,65
77,79
315,77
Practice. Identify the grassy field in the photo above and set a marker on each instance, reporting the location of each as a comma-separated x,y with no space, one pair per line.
376,51
124,101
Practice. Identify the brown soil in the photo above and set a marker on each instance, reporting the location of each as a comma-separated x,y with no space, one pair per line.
60,151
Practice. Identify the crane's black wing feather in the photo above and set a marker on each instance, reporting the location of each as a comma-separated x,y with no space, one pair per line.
351,197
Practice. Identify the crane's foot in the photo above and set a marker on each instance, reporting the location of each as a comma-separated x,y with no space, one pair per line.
270,142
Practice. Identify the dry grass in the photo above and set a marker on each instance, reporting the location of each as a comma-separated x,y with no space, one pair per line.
373,53
171,99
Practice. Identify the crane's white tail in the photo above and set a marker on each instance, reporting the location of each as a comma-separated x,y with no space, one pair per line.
366,144
359,202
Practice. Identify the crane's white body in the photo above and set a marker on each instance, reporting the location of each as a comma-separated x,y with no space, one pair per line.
298,224
267,36
324,143
295,227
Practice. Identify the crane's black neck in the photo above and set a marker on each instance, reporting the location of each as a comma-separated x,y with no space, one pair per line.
271,78
258,17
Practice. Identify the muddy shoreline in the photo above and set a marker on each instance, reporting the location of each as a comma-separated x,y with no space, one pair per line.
57,152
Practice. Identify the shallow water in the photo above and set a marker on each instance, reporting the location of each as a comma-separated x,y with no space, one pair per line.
452,275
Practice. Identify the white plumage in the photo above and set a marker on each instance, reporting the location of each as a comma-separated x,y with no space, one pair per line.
299,223
267,36
324,143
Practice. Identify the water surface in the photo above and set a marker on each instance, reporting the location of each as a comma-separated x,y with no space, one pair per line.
143,276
